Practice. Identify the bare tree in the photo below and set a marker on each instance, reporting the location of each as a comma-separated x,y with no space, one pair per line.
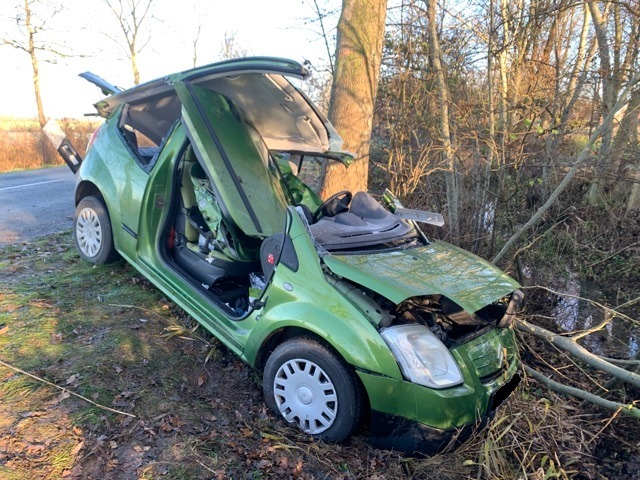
194,44
231,47
132,17
32,19
321,15
618,41
355,83
605,126
448,156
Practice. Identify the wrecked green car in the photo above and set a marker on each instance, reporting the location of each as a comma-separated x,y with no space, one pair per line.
205,181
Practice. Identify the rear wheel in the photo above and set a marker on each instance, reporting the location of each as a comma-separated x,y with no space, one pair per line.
92,232
313,388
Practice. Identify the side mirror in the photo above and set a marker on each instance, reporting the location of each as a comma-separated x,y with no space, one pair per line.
62,144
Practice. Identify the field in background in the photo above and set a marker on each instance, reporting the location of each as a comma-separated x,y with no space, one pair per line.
23,146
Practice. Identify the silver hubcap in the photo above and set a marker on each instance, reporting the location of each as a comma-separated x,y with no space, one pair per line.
305,395
89,232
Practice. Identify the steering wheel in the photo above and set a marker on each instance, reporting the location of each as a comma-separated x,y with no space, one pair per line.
335,204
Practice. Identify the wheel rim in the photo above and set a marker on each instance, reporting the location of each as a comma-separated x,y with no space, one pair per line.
305,395
89,232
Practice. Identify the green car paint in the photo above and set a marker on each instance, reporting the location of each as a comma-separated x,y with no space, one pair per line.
333,319
343,298
121,186
438,268
259,205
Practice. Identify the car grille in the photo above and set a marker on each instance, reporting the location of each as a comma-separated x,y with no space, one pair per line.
489,358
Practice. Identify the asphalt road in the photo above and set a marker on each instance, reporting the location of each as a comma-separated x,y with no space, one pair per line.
34,203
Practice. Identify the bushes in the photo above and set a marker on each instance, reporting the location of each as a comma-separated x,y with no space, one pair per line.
24,146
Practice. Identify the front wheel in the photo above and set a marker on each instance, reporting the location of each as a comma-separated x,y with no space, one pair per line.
312,388
92,232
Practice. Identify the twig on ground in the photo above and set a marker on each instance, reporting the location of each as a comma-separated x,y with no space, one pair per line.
138,308
612,255
610,310
576,392
35,377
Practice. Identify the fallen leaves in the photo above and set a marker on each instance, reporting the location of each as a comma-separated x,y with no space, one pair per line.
77,448
62,396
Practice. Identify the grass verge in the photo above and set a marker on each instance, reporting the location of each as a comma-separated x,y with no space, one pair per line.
108,335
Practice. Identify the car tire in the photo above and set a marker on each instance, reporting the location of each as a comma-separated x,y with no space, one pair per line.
92,234
311,387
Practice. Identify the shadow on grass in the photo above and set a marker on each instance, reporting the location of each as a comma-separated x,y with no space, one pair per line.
101,332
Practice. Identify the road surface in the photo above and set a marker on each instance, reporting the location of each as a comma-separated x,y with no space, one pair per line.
34,203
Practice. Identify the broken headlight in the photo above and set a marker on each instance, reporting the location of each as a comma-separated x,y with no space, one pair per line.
422,357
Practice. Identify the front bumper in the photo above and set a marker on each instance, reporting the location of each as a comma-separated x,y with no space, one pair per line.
416,419
393,432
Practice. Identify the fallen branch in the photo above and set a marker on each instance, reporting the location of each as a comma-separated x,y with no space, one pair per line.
609,310
571,346
35,377
577,335
612,255
629,409
621,361
137,308
629,303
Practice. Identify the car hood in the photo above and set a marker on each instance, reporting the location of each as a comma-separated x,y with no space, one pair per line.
437,268
285,118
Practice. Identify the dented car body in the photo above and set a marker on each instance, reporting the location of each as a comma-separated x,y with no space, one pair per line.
204,181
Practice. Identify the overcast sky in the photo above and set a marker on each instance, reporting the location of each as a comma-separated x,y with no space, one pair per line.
261,28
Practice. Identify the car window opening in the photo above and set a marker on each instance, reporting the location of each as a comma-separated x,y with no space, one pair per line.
143,132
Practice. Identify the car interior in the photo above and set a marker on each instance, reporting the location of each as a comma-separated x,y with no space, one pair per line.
234,268
207,246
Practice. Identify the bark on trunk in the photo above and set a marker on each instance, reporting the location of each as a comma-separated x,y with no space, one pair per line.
34,63
448,156
353,94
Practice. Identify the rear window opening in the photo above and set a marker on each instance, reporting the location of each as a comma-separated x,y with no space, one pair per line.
144,129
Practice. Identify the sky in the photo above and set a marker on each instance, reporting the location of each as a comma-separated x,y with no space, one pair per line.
84,29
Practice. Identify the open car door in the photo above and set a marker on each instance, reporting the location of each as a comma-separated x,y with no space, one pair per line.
235,159
233,118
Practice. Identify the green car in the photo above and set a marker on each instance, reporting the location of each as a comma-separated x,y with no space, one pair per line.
205,181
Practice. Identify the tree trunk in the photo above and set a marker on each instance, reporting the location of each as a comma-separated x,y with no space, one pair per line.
577,79
608,99
504,86
448,156
134,65
353,94
627,135
34,63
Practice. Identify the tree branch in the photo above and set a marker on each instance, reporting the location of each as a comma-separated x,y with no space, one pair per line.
629,409
571,346
35,377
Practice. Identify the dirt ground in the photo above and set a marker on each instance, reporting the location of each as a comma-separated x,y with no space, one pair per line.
163,399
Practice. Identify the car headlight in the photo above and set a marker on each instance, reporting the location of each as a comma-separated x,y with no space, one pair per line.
422,357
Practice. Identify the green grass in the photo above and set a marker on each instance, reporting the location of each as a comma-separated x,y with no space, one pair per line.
101,332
